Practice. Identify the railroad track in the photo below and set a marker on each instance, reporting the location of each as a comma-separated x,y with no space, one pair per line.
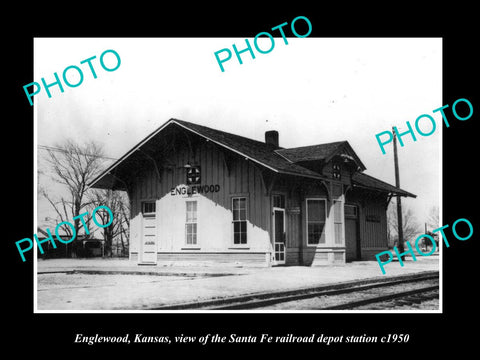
363,292
411,296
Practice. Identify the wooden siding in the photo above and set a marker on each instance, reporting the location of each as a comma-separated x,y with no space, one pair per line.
372,219
214,216
345,173
244,258
373,224
259,259
236,176
333,251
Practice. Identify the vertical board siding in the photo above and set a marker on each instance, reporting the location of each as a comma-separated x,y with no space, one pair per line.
345,174
214,230
293,222
251,183
372,206
375,232
257,198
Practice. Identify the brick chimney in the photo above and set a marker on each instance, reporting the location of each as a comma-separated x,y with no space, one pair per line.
271,137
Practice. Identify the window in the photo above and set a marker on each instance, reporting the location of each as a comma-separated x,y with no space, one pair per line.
191,223
351,211
279,201
336,174
239,210
338,221
148,208
316,217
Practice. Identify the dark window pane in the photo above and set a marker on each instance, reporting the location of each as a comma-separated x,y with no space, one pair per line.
279,201
350,211
312,239
243,202
236,238
316,210
243,215
235,204
243,226
315,232
243,237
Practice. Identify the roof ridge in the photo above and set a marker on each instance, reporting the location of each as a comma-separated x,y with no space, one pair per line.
224,132
322,144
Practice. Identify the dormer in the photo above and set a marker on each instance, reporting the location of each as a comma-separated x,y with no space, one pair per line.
336,160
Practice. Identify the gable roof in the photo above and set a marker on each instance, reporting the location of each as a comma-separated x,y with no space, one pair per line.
321,152
257,151
369,182
276,159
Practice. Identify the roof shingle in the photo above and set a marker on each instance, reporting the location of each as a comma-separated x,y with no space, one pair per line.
370,182
256,150
274,158
309,153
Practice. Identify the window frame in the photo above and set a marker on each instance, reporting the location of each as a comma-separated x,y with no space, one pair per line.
240,244
325,221
340,221
191,221
282,199
150,202
336,171
353,206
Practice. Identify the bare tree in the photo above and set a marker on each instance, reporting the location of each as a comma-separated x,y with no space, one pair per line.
411,228
433,221
125,234
74,166
117,202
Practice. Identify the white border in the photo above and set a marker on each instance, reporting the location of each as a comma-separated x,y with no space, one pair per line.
35,213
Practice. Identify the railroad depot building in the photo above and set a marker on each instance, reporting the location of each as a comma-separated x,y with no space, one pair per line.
200,194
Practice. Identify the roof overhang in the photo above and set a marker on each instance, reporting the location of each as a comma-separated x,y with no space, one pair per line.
368,182
111,179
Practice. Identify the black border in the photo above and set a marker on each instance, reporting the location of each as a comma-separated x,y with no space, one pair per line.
429,333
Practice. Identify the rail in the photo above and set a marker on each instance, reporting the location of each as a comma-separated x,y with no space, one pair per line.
259,300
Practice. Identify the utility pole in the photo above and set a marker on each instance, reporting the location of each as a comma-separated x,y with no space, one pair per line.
423,240
401,247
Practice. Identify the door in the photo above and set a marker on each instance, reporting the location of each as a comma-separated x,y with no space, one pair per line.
148,243
279,235
352,240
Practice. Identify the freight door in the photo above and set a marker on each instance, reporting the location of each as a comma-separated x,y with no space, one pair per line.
352,240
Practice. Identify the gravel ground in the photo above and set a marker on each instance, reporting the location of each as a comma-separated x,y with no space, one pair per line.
332,300
397,305
56,281
87,292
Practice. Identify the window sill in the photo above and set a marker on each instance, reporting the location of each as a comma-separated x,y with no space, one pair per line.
329,247
190,248
239,247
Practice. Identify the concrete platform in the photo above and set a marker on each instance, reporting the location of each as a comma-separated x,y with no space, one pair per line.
114,285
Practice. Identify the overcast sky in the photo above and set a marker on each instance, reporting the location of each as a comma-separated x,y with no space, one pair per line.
313,91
